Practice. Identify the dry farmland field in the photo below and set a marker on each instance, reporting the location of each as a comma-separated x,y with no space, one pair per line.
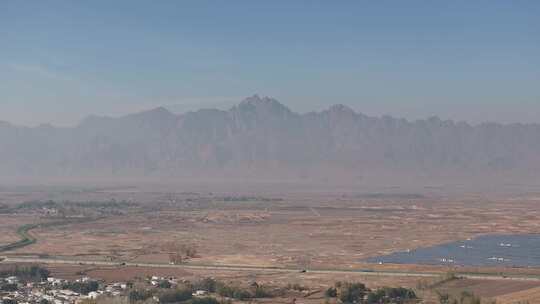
333,231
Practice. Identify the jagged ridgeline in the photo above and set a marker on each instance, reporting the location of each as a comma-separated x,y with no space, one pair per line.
261,138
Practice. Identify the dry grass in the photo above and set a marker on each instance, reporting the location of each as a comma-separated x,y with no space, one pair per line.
530,296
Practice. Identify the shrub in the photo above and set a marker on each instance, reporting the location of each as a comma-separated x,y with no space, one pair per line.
164,284
139,295
351,292
232,292
177,295
391,295
33,272
400,293
204,301
239,293
9,287
330,293
82,287
374,297
207,284
296,287
261,292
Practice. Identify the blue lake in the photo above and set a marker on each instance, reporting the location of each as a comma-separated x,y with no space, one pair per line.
521,250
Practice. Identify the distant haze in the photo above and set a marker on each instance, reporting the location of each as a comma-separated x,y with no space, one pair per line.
473,113
262,139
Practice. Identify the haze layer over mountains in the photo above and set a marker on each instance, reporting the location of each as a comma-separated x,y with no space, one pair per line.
262,139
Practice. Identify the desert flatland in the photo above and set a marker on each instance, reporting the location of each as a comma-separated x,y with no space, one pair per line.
317,231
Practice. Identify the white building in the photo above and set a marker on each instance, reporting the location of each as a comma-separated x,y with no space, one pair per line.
199,293
12,280
93,295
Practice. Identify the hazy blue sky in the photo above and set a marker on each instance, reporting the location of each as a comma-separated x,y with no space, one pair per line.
470,60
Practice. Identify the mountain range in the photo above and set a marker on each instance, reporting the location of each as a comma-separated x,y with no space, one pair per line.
261,138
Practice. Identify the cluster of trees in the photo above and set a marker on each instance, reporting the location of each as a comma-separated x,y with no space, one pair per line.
50,204
14,301
82,287
9,287
179,295
26,273
183,293
351,292
164,284
391,295
111,204
26,238
463,298
140,295
234,291
250,199
175,295
65,208
296,287
206,284
207,300
179,253
9,301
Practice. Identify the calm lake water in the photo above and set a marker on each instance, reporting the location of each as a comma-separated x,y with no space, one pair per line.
521,250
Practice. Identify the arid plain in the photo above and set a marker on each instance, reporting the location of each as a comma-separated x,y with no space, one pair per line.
309,229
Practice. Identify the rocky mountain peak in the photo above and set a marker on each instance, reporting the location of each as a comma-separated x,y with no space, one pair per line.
340,108
263,104
156,113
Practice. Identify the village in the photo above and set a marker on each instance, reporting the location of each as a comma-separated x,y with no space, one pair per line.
32,286
35,285
54,290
